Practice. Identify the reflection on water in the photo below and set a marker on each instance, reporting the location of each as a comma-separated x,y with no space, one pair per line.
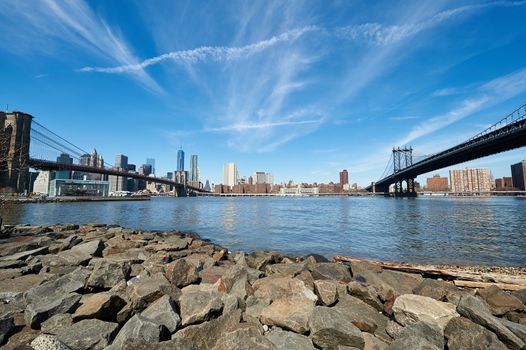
442,230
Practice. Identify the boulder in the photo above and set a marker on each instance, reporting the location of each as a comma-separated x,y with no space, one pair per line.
330,328
402,282
26,254
163,312
90,334
331,271
182,273
477,311
7,327
327,291
21,284
462,334
521,295
393,329
138,328
363,316
274,288
11,273
81,254
174,344
259,260
291,269
429,331
288,313
245,336
212,274
205,335
370,342
410,308
412,343
518,329
199,306
236,282
284,340
38,312
254,307
106,274
438,290
56,323
366,294
103,306
499,301
22,339
48,342
146,291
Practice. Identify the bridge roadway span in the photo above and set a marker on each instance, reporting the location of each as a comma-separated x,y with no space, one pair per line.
509,137
49,165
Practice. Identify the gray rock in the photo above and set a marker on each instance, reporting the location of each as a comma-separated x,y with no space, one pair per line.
199,306
276,287
162,311
402,282
205,335
518,329
373,343
393,329
81,254
89,334
429,331
254,308
412,343
174,344
235,281
48,342
438,290
366,294
11,273
477,311
284,340
462,334
521,295
92,248
26,254
56,323
363,316
106,274
11,264
38,312
330,328
103,306
331,271
291,269
499,301
182,273
409,308
7,327
146,291
288,313
138,328
327,291
259,260
245,337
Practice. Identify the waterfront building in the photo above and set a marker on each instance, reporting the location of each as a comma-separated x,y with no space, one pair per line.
121,161
299,191
344,177
151,161
194,177
506,183
117,183
41,185
180,160
84,159
518,175
207,186
437,184
260,177
230,174
145,169
470,180
64,158
78,188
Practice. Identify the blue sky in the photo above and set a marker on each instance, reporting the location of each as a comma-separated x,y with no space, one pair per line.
301,89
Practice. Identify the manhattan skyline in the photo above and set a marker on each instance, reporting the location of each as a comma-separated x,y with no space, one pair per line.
301,89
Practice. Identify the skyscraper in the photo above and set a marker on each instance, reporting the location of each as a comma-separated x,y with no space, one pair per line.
180,160
64,158
193,168
344,177
121,161
518,175
230,175
151,162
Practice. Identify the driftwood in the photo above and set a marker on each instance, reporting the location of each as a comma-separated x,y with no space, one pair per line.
461,276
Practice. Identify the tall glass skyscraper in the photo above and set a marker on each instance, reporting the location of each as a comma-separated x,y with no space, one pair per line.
64,158
193,168
180,160
151,161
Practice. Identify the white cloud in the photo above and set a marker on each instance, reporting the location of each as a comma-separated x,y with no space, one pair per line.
215,53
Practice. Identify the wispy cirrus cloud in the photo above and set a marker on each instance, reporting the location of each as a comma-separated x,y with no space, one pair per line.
490,93
208,53
44,26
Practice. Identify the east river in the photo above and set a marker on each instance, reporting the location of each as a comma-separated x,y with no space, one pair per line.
465,231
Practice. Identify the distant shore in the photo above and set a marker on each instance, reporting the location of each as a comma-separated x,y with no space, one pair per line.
71,199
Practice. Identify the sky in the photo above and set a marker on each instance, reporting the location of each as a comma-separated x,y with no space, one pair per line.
301,89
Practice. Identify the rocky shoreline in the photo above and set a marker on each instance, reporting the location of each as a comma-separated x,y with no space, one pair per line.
106,287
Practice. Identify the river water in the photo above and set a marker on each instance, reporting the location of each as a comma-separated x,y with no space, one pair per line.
465,231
